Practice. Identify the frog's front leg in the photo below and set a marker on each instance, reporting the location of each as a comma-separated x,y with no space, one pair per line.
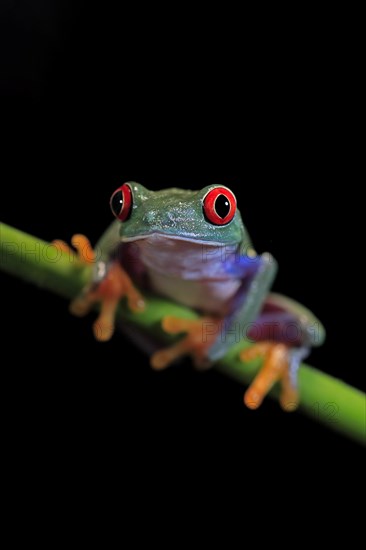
114,286
280,361
107,289
208,338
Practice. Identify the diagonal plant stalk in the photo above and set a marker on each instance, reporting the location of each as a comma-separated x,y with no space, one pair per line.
327,399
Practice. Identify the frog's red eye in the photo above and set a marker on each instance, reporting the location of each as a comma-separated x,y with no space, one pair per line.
219,206
121,202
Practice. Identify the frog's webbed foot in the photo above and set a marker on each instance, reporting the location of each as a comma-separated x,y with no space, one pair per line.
115,286
195,343
277,367
108,292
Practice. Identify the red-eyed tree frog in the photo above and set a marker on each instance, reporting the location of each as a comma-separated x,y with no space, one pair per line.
192,247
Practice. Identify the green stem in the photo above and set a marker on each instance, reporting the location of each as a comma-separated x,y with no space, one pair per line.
328,400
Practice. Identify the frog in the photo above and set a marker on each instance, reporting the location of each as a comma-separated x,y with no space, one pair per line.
192,247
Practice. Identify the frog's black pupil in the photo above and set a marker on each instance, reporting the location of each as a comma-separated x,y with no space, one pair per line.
222,206
117,203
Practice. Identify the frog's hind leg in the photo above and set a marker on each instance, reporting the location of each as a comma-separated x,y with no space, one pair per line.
280,364
283,335
291,321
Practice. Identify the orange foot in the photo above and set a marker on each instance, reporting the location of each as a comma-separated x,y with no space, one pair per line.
276,368
195,343
115,285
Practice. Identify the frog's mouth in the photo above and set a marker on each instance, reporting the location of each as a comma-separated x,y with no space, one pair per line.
157,237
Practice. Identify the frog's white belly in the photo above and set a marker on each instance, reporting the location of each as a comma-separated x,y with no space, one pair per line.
188,273
208,296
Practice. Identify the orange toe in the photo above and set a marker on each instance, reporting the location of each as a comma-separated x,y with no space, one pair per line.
192,344
276,368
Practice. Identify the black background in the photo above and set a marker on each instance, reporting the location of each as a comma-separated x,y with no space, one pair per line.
88,101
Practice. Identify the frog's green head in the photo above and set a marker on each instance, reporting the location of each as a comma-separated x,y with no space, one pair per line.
208,216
